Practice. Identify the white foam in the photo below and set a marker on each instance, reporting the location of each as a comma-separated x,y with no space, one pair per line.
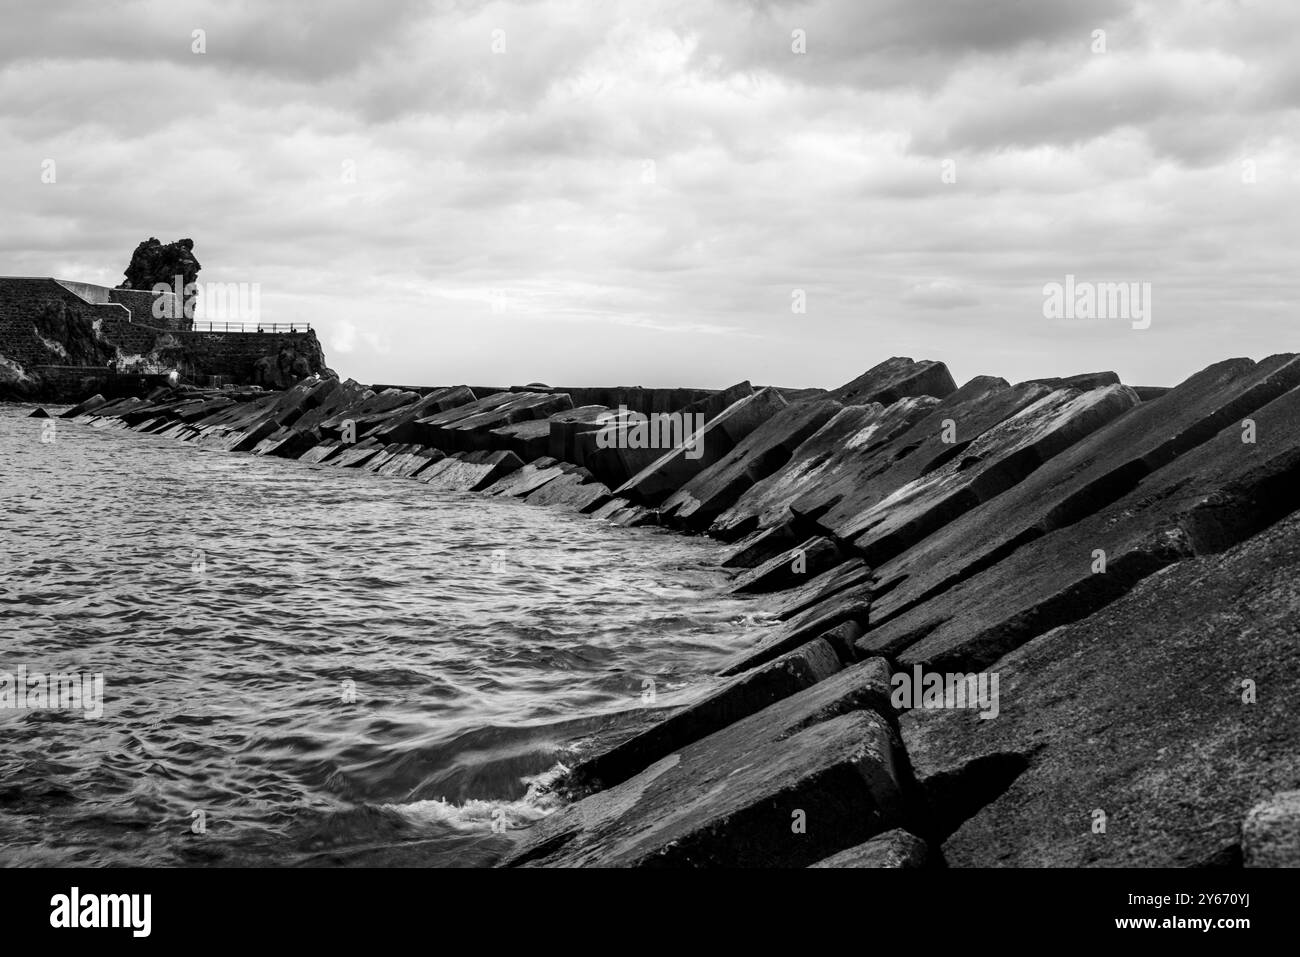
478,815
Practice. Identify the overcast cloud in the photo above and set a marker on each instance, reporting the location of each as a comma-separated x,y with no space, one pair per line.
633,192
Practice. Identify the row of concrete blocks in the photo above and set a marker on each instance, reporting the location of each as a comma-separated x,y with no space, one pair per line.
898,522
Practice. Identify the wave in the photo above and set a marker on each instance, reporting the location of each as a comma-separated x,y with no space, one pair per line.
539,801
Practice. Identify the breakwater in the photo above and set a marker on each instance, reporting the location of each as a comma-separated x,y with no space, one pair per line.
1045,623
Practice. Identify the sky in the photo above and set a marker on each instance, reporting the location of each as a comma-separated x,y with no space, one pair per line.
677,193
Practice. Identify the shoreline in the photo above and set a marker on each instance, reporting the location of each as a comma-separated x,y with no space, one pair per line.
1052,534
487,640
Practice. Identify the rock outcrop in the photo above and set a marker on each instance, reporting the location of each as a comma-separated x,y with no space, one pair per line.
154,262
895,379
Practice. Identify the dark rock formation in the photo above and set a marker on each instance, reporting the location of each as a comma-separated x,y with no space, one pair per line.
153,263
893,849
16,385
894,379
290,364
71,336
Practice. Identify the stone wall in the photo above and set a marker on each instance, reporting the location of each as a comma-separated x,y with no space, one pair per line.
131,338
234,354
79,382
124,320
21,298
141,304
231,355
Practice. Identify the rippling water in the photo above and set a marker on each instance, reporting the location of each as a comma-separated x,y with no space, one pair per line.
235,604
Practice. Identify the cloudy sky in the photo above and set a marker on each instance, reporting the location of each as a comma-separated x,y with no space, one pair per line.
584,192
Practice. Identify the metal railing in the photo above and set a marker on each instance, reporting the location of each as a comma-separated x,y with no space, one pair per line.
251,327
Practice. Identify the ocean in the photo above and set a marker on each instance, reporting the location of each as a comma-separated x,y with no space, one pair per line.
303,665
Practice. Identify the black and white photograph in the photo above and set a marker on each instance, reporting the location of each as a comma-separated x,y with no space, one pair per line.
446,442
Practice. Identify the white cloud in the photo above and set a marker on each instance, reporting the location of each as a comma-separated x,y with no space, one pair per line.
939,294
527,171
